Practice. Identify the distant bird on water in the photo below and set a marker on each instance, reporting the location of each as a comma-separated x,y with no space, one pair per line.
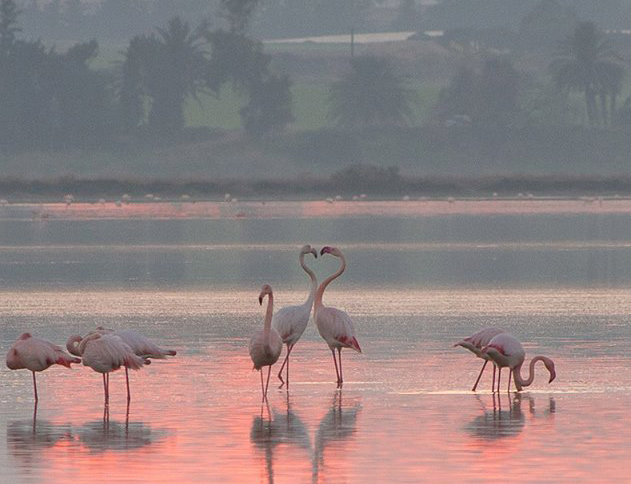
104,353
506,351
291,321
475,343
266,344
139,344
36,354
334,325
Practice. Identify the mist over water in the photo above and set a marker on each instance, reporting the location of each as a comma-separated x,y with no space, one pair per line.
413,287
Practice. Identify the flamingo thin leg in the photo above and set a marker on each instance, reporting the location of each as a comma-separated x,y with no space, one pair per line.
341,380
510,373
280,373
493,386
337,373
269,372
127,381
499,376
289,348
34,386
105,392
479,376
262,385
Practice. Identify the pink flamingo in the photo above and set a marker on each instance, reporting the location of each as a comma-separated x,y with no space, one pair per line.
36,354
105,353
266,344
506,350
291,321
334,325
139,344
475,343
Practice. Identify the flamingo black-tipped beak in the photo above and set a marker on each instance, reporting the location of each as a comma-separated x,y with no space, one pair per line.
261,300
325,250
315,253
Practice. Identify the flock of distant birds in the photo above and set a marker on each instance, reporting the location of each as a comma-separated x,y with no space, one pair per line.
106,350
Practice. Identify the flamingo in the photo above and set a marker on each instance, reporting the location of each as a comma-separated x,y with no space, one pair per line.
36,354
506,350
334,325
475,343
104,353
139,344
266,344
291,321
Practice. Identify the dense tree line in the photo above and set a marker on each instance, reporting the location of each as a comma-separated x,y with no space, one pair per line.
50,99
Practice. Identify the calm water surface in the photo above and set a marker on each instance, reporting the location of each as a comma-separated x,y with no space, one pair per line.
414,286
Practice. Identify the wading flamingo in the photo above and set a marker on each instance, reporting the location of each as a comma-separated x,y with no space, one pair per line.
506,350
334,325
291,321
475,343
36,354
105,353
266,344
139,344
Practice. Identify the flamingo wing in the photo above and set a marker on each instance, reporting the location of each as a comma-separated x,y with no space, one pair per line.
291,322
336,327
141,345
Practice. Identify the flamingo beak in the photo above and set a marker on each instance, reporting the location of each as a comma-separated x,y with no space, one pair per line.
325,250
261,300
315,253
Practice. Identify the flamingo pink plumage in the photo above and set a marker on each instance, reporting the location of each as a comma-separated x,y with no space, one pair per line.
105,353
334,325
266,344
506,351
139,344
475,343
291,321
36,354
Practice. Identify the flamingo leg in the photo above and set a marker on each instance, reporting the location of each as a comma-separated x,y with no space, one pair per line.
289,348
340,382
493,386
337,373
479,376
499,377
127,381
105,389
280,373
262,385
510,373
34,386
269,372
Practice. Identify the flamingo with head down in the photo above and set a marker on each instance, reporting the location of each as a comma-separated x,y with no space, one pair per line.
475,343
266,344
334,325
291,321
36,354
506,351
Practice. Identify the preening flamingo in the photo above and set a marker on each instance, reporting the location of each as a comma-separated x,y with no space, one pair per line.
291,321
105,353
334,325
139,344
36,354
475,343
506,350
266,344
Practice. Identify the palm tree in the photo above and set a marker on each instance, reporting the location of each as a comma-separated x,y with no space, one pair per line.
372,93
587,63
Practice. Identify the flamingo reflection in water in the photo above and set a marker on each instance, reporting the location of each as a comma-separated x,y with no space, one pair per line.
337,426
268,432
497,423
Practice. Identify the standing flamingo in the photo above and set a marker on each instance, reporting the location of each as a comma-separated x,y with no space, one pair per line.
139,344
506,350
291,321
36,354
334,325
266,344
475,343
105,353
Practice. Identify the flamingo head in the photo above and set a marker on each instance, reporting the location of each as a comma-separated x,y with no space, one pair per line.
331,250
265,290
550,367
72,345
307,249
25,336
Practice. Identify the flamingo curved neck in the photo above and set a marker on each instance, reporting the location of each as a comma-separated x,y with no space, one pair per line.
314,281
520,382
328,280
268,318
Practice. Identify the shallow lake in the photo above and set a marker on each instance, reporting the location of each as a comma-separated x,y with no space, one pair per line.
416,283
